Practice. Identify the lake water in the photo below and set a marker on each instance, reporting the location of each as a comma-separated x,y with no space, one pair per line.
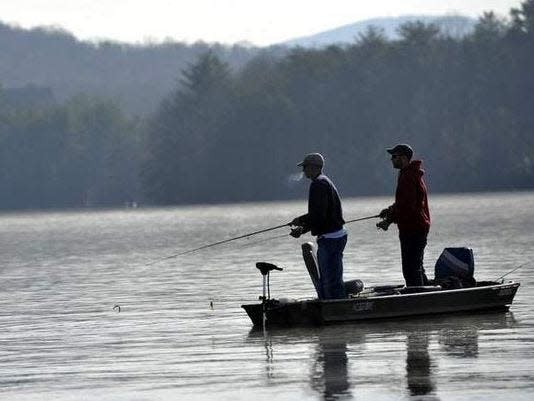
181,334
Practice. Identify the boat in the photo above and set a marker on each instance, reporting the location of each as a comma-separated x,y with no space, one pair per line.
376,302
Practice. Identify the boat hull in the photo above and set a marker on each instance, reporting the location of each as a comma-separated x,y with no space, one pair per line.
488,296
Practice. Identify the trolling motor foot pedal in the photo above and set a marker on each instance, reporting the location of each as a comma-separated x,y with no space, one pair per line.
265,267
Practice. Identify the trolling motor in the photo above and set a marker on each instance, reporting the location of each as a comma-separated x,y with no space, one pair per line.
265,269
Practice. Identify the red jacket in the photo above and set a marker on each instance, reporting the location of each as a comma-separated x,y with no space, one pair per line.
410,210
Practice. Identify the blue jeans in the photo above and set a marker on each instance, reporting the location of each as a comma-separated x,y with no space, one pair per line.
330,259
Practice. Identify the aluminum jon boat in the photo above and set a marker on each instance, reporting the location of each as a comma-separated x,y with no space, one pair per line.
379,302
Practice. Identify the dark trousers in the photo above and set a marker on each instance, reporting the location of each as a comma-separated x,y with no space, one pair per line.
330,259
412,253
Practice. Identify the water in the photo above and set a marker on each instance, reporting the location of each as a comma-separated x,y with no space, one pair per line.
62,274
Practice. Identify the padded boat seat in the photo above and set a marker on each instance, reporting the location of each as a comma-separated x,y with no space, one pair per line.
419,288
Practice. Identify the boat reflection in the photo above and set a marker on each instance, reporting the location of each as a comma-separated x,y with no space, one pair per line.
269,365
330,375
342,355
419,365
461,343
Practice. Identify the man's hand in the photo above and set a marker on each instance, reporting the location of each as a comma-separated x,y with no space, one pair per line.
383,225
295,222
384,214
296,232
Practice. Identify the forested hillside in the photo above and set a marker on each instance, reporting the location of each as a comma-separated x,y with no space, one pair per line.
135,76
223,135
464,104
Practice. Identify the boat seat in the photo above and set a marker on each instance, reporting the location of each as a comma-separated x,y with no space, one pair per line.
419,288
352,287
310,260
265,267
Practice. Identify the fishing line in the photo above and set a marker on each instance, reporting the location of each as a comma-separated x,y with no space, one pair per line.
513,270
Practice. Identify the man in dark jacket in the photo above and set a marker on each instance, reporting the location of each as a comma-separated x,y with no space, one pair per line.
325,220
410,212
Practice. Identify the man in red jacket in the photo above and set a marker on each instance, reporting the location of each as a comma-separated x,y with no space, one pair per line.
410,213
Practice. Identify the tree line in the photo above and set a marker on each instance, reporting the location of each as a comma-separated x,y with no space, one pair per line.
221,135
136,76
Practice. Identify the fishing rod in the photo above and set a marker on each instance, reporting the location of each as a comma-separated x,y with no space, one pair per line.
363,218
513,270
217,243
265,240
285,235
241,237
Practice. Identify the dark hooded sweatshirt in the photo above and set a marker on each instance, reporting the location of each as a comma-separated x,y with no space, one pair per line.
410,210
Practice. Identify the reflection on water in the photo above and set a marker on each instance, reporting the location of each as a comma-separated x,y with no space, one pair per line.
181,334
418,364
269,361
339,355
463,344
330,376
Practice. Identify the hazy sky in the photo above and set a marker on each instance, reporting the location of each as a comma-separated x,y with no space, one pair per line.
260,22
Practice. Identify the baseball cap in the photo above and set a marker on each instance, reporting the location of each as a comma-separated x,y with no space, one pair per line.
315,159
401,149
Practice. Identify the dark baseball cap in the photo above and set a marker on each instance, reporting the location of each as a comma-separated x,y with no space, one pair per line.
401,149
314,159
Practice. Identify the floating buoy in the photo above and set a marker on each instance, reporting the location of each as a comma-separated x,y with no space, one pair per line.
117,307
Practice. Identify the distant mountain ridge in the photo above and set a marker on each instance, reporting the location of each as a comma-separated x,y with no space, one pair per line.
455,25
